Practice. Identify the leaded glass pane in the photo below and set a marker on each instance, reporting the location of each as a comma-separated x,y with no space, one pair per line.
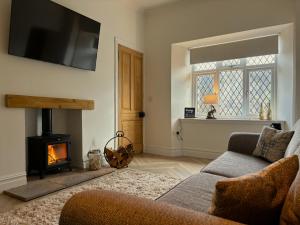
232,62
231,93
205,66
260,89
261,60
204,86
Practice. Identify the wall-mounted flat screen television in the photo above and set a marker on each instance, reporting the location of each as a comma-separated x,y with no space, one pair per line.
46,31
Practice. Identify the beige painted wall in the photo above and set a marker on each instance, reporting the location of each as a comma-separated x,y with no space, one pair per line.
297,114
286,86
181,90
192,20
209,138
24,76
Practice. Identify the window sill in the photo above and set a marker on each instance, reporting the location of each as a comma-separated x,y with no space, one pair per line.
231,121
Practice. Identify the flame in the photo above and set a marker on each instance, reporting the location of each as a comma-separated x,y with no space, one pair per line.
51,155
56,153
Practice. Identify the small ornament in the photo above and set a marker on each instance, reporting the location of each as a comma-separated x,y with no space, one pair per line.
269,114
261,112
95,159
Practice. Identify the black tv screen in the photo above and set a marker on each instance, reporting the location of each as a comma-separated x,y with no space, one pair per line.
46,31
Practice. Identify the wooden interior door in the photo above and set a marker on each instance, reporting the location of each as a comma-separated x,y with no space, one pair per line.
131,96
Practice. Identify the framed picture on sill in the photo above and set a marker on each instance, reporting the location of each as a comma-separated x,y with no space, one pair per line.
189,113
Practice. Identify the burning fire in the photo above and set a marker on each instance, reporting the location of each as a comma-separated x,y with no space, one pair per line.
56,153
51,155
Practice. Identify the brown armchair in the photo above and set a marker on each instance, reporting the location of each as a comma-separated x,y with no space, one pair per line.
112,208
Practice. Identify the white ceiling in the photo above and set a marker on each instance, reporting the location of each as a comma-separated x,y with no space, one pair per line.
146,4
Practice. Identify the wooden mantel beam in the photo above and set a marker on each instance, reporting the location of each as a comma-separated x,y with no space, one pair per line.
21,101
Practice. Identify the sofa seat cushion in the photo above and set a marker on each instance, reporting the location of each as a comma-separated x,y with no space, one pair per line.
193,193
232,164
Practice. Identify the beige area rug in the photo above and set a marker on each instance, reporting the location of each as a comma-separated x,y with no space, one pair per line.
47,210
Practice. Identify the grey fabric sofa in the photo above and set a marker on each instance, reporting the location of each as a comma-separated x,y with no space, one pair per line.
185,204
196,192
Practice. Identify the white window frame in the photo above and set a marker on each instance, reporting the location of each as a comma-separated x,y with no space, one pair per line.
246,70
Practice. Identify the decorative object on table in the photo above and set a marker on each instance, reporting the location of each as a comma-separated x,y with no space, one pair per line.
123,155
211,100
261,112
269,114
189,113
95,159
276,126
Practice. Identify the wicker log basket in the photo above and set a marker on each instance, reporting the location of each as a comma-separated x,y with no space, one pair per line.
123,155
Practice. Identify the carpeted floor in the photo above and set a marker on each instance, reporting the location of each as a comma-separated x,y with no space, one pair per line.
47,210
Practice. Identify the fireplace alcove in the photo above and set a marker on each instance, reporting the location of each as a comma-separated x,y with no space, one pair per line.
66,129
65,118
48,151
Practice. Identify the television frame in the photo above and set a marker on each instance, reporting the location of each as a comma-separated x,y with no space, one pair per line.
10,47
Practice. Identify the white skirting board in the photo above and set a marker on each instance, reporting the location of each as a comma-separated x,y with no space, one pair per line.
191,152
201,153
164,151
13,180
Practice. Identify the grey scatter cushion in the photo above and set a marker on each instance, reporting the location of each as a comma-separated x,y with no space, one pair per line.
272,144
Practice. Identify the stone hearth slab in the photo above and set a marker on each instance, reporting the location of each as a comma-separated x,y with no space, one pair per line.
39,188
33,190
80,177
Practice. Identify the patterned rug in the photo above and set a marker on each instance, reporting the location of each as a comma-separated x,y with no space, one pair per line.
47,210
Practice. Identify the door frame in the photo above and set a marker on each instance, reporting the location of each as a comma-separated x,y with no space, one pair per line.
118,42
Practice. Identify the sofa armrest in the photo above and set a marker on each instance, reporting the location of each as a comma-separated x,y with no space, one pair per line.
112,208
243,142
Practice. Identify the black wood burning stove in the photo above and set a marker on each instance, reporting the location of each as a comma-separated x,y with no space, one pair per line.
50,151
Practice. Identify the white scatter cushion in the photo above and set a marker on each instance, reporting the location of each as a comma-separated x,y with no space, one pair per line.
294,146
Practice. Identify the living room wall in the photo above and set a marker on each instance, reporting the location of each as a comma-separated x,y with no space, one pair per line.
191,20
298,56
119,19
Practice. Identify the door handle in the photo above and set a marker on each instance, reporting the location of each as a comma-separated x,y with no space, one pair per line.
142,114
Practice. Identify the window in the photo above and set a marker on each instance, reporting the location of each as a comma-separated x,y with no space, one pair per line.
243,85
231,93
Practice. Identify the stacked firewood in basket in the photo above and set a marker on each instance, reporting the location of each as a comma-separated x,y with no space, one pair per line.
119,158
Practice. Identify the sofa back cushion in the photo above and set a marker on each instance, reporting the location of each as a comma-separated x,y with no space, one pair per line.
290,214
256,198
294,146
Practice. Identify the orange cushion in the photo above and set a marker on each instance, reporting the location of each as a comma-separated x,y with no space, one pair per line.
255,198
290,214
